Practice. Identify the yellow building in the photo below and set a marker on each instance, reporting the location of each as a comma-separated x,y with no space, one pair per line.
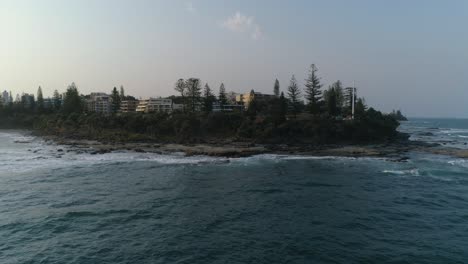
249,97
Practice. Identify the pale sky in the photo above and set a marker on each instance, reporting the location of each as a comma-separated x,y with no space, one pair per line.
403,54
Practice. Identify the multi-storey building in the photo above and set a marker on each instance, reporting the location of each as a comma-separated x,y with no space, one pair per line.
27,100
246,98
155,105
127,106
6,98
217,107
99,103
48,103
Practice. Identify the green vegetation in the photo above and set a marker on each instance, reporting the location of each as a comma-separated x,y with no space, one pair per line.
116,100
222,95
276,88
313,91
325,117
398,115
294,94
72,103
208,99
40,100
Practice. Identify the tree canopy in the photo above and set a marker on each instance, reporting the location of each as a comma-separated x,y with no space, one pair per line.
313,92
294,94
72,102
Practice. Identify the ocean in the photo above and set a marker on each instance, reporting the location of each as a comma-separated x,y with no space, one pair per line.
63,207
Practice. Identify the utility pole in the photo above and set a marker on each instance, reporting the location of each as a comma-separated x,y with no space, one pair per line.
354,95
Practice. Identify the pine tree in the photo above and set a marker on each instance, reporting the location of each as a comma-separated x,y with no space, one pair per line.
331,101
278,109
222,95
72,102
57,100
338,86
181,87
208,99
360,108
252,107
122,93
193,93
294,94
276,88
284,105
313,90
115,97
40,100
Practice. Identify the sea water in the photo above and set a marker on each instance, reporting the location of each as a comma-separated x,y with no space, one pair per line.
63,207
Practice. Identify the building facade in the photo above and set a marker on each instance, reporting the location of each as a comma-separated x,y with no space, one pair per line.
128,106
27,100
99,103
246,98
217,107
153,105
6,98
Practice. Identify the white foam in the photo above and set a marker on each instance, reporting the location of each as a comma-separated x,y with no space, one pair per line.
459,162
454,131
412,172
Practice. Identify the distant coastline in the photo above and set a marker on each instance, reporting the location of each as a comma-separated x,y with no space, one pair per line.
396,150
299,119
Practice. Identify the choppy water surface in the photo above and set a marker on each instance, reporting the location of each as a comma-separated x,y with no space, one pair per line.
62,207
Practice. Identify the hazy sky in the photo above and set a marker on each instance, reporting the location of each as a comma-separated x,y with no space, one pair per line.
406,54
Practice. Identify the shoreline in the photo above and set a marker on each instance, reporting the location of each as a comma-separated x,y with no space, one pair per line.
395,151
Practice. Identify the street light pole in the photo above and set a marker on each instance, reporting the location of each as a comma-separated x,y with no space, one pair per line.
354,95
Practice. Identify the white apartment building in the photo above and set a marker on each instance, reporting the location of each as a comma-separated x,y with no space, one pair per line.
100,103
155,105
5,98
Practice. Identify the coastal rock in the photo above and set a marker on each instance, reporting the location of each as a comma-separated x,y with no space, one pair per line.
426,134
100,151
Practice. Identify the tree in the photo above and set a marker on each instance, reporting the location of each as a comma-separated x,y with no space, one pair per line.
397,115
11,98
338,86
40,100
222,95
122,93
72,102
278,109
252,108
193,93
334,98
313,90
208,99
115,97
331,101
181,87
284,105
294,94
276,88
57,100
360,108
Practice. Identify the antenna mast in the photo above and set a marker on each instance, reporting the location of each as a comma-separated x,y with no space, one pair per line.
354,96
